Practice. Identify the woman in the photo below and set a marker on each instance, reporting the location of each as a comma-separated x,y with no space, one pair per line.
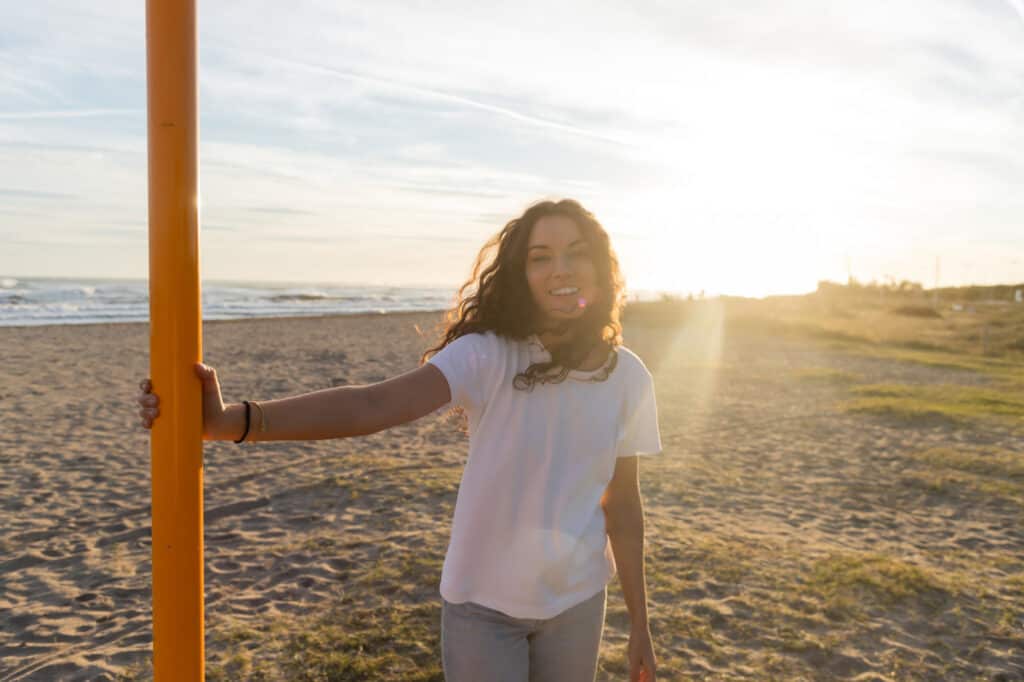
549,506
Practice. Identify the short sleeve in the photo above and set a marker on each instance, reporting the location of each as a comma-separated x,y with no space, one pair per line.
464,363
640,434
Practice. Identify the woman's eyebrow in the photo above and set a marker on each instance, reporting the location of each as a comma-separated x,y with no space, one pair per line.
545,246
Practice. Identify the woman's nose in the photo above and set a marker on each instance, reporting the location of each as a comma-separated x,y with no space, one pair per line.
563,263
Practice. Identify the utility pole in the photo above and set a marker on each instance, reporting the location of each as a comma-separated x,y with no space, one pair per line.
175,341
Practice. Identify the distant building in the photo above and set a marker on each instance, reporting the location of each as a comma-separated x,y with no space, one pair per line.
1018,296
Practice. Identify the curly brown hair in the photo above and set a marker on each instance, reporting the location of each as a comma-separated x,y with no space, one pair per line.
501,300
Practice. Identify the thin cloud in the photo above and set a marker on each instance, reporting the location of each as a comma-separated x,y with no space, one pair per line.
443,191
279,210
33,194
440,96
72,113
139,148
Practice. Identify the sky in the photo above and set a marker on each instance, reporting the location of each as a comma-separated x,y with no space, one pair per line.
743,148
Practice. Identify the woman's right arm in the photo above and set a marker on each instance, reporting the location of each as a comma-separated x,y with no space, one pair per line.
338,412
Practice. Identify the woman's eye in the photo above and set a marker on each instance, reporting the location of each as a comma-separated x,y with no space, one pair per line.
538,259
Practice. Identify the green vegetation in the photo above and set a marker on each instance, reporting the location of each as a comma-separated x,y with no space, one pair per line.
340,643
897,321
951,403
912,310
979,460
1008,373
826,375
988,473
850,583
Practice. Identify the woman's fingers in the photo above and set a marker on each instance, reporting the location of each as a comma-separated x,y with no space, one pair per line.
208,375
148,414
211,387
148,402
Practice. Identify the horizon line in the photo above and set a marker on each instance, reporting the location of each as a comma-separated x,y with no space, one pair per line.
454,287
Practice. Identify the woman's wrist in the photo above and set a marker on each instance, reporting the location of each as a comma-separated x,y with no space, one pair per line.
234,422
639,624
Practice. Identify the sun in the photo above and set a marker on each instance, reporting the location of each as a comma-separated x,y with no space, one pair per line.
741,211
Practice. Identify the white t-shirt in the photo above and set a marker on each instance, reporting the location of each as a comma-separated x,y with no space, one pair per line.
528,534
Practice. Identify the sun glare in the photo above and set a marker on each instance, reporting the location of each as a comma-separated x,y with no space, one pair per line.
687,245
758,204
696,345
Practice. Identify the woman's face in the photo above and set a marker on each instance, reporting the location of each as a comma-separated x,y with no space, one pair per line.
560,270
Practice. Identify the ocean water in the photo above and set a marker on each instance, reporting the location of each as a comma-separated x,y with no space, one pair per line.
36,301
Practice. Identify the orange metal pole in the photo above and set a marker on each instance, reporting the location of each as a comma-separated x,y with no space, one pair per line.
175,341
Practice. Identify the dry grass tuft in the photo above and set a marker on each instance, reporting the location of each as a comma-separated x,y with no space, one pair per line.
951,403
849,582
827,375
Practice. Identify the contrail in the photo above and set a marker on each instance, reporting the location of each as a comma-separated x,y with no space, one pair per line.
441,96
79,113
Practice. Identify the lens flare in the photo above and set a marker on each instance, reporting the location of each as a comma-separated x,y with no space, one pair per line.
582,302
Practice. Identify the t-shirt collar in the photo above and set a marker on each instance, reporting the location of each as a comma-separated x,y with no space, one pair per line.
539,353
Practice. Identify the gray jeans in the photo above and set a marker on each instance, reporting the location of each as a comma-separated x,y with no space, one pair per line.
479,644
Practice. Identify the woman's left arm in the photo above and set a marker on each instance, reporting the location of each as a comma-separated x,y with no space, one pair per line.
624,523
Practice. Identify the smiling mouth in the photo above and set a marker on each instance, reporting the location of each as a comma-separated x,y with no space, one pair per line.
571,304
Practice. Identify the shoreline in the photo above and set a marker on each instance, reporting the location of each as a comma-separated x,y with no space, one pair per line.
640,305
321,316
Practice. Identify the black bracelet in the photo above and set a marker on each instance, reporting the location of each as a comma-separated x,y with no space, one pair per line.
246,432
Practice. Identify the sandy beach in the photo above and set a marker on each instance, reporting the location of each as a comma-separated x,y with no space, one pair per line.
792,534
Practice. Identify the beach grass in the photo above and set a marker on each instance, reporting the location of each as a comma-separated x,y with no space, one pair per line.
923,403
826,375
374,627
849,583
989,473
988,340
